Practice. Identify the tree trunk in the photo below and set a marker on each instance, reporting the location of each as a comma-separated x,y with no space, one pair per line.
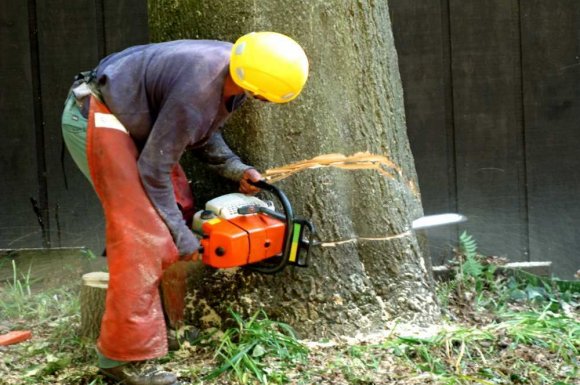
92,300
353,102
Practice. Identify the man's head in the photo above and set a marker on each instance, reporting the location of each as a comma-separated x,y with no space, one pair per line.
269,65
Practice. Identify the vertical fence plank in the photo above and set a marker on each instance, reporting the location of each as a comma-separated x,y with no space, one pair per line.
422,41
68,42
488,124
74,37
551,65
19,226
66,38
125,24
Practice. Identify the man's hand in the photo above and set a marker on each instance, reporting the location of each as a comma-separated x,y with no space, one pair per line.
196,256
250,175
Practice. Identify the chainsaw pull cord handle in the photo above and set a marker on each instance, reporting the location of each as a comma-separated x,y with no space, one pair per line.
262,184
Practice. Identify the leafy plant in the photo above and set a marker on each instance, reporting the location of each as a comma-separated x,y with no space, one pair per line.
468,247
15,294
244,348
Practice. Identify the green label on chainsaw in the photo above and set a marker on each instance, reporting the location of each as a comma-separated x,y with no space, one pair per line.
295,242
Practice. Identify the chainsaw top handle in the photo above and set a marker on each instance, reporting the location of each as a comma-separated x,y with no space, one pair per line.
289,218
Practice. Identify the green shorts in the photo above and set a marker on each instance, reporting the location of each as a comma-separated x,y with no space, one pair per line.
74,133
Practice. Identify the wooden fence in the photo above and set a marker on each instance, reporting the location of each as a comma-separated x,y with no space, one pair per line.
45,202
492,93
492,90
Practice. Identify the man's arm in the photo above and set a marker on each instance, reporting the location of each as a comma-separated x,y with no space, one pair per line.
220,158
164,147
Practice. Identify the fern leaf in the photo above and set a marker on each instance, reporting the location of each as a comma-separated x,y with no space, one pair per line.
468,245
472,267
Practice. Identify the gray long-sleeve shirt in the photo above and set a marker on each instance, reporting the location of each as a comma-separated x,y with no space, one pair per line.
169,97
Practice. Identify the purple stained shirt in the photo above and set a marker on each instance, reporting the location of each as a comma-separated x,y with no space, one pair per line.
169,97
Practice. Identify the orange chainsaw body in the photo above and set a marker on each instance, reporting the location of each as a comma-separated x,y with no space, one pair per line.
242,240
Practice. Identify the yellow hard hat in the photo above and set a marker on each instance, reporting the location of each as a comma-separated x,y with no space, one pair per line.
270,65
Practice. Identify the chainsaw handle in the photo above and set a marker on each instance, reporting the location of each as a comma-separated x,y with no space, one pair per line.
262,184
289,218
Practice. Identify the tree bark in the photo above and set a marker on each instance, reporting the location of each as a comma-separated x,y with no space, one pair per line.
353,102
92,301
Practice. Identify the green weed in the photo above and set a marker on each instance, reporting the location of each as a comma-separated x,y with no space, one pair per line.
244,348
470,266
53,316
506,352
15,294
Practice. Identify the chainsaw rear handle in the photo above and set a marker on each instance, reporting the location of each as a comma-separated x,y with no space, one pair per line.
289,219
262,184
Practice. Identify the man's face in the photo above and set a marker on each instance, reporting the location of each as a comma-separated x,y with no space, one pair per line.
255,96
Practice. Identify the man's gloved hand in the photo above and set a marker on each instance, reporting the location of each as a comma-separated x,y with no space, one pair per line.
253,175
196,256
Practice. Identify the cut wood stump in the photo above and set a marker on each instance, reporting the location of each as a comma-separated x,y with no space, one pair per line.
92,301
173,291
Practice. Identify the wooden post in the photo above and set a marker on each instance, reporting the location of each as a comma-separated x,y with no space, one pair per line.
92,301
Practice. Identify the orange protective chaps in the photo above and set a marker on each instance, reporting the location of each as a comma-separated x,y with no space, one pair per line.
139,245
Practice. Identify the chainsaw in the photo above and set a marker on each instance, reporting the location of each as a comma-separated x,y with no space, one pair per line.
238,230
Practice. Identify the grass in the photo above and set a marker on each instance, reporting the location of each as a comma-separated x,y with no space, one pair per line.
479,354
516,329
519,348
243,349
53,316
16,293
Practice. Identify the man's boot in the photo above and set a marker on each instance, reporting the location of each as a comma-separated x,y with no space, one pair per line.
132,374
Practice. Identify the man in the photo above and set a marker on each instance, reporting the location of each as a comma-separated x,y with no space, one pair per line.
126,125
